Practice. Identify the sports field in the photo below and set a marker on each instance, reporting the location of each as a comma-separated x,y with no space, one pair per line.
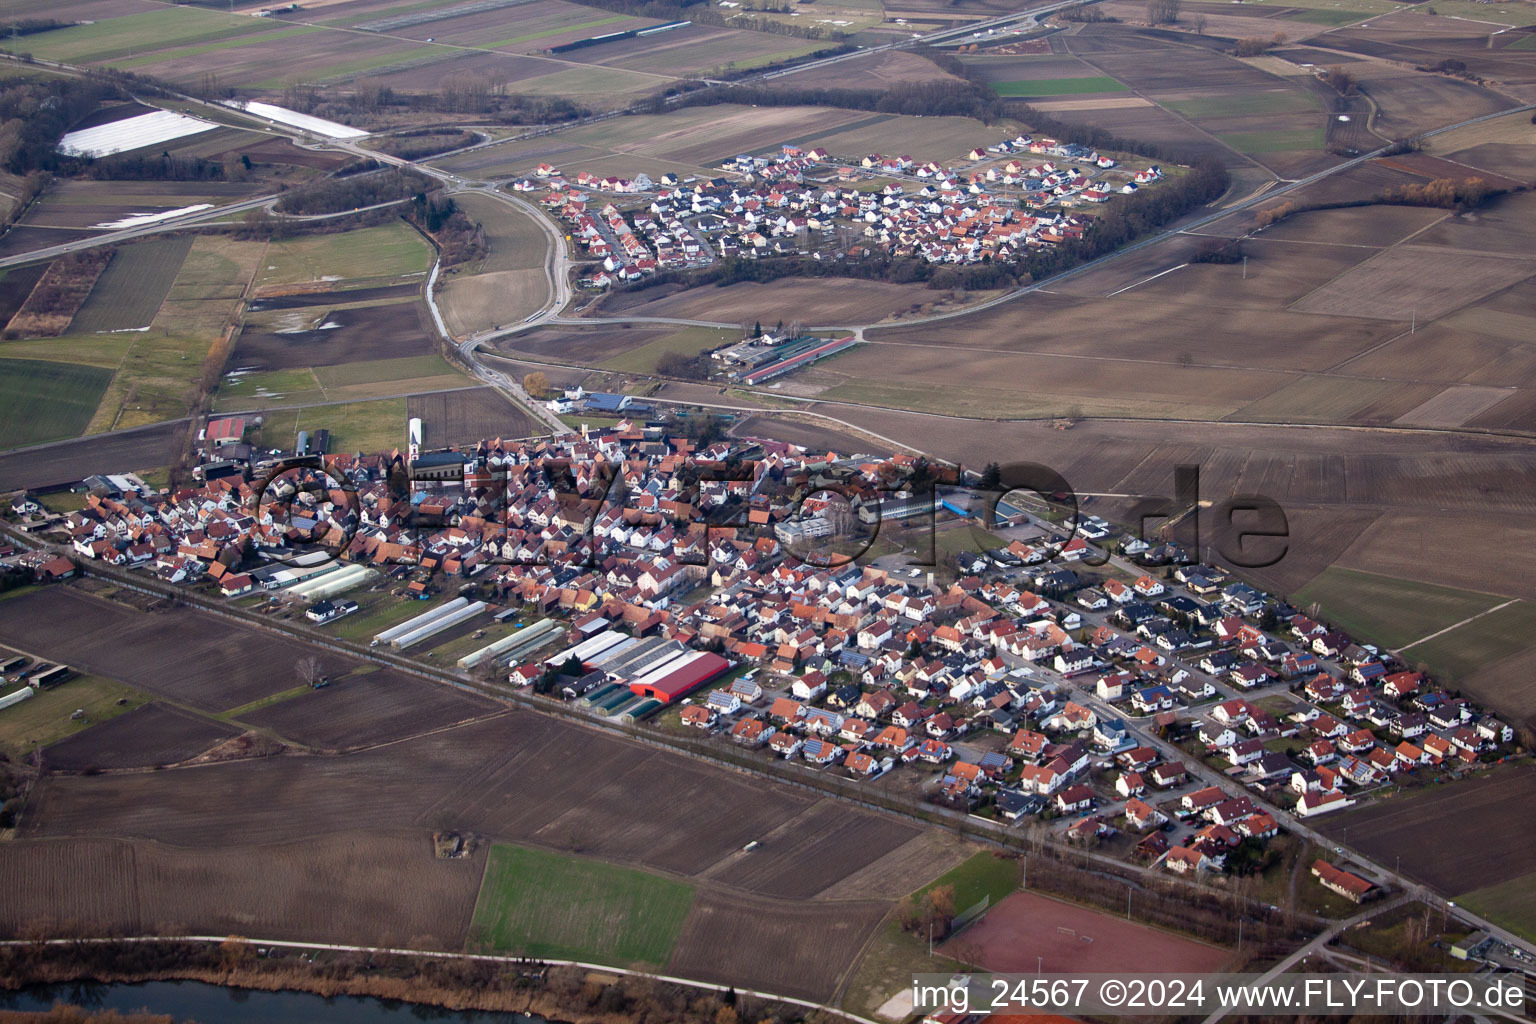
546,904
46,401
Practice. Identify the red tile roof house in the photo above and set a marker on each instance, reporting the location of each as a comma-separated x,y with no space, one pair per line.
1352,887
1074,798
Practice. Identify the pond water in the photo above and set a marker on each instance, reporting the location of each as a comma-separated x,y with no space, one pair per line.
215,1004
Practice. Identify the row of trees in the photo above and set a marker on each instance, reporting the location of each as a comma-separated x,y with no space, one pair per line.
355,191
459,238
35,114
949,98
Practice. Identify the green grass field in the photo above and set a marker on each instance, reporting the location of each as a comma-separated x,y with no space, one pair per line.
45,401
1503,14
370,427
982,877
374,371
198,49
45,717
1280,101
1059,86
1480,642
1511,904
157,374
262,390
529,37
389,250
1389,610
547,904
133,34
91,350
378,611
1274,142
1328,17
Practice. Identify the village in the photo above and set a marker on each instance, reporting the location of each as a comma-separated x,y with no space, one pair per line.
1007,203
1107,689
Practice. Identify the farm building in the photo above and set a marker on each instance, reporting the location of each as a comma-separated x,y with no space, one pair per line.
226,430
679,677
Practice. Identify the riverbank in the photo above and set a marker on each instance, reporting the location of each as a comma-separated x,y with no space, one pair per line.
562,994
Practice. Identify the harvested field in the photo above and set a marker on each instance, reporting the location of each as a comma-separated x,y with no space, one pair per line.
728,936
814,850
517,777
1393,826
1508,685
130,290
464,417
49,716
515,240
385,888
15,285
903,870
1394,284
1325,399
810,434
302,300
1072,939
688,342
1091,84
814,302
698,137
331,337
875,71
1515,413
153,734
492,300
57,296
1104,103
591,346
548,905
181,654
1502,226
71,462
1432,167
1410,101
364,708
1455,406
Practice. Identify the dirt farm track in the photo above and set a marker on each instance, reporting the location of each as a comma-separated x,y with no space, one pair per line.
329,839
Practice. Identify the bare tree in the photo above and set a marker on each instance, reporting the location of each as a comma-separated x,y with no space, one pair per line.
1200,22
308,670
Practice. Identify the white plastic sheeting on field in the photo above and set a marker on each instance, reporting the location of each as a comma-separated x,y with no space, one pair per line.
132,133
140,219
282,115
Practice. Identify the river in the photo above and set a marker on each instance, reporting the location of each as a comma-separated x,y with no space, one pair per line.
215,1004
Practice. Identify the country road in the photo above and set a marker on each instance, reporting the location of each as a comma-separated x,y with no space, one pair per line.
558,264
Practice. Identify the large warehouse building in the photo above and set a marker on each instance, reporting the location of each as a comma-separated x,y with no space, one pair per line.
679,677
